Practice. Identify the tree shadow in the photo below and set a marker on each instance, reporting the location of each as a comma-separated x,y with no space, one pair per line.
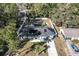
44,50
31,48
21,44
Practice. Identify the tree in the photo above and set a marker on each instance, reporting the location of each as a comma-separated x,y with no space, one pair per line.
7,33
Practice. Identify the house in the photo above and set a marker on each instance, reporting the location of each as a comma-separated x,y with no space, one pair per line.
38,33
70,33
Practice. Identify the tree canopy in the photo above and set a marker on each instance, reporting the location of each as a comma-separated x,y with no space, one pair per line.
67,14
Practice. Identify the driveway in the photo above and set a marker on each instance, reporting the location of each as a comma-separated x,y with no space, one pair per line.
51,48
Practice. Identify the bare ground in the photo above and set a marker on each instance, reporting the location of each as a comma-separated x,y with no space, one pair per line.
28,50
60,44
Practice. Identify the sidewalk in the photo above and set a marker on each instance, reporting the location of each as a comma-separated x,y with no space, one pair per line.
52,49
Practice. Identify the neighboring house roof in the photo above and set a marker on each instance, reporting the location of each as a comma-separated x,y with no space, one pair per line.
70,32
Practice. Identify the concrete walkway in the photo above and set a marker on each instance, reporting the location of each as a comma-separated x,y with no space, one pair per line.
51,48
51,44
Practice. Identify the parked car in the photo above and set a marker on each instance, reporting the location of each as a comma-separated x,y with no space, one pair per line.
75,47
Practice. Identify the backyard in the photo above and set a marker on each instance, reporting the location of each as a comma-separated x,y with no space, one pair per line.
33,49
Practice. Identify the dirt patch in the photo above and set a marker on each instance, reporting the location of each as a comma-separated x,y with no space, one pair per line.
32,49
60,46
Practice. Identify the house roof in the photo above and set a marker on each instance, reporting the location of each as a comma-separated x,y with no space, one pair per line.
70,32
44,33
